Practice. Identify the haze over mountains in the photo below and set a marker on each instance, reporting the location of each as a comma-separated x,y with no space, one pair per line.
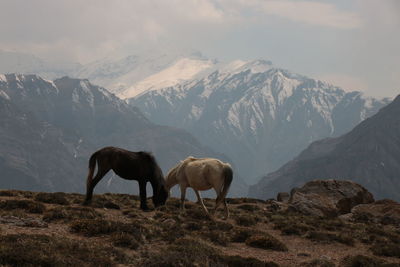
258,115
49,129
251,112
368,155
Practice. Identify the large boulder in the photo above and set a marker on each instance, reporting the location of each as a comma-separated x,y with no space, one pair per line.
328,198
384,211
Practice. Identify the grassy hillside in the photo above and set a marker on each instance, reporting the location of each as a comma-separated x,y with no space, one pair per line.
53,229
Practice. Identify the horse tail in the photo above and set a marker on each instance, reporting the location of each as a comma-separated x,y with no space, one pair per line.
92,166
228,177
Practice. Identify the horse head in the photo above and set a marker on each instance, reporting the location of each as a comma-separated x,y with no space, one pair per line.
161,197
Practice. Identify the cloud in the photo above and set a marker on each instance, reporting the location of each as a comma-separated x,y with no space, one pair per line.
94,28
308,12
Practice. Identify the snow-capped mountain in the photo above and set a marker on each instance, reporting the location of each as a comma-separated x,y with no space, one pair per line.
258,115
134,74
369,155
49,129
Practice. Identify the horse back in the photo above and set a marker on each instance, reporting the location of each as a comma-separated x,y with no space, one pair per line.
127,164
207,172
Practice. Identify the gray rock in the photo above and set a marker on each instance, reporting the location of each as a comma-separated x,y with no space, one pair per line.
283,197
328,198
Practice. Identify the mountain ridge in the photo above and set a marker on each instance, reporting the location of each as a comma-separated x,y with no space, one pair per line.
268,115
88,117
369,155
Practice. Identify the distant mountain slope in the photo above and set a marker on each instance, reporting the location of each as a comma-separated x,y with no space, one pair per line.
258,115
32,151
368,155
74,118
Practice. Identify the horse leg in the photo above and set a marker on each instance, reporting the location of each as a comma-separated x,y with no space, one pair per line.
143,200
92,183
200,200
183,195
218,201
226,210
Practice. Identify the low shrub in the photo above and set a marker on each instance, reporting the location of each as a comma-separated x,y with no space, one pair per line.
8,193
96,227
361,260
330,237
246,220
124,240
249,207
266,241
27,205
319,263
241,235
216,237
52,198
103,202
197,214
183,252
70,213
43,250
244,200
219,226
238,261
387,249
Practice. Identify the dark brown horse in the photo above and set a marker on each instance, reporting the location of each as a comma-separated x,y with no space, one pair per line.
140,166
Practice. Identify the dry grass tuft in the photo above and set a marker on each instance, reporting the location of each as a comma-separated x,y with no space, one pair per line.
183,252
52,198
97,227
27,205
66,214
266,241
330,237
43,250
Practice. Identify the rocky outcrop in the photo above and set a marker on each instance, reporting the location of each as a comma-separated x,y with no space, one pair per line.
384,211
283,197
328,198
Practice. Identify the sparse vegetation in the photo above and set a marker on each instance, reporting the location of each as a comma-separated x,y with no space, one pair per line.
125,240
96,227
96,235
238,261
246,220
386,249
266,241
52,198
330,237
43,250
319,263
27,205
361,260
70,213
184,252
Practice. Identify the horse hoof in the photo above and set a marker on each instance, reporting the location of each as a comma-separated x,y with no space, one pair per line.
145,209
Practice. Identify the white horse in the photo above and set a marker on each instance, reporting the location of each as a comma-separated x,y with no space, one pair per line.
202,174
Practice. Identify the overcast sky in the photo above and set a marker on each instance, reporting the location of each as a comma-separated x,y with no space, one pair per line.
351,43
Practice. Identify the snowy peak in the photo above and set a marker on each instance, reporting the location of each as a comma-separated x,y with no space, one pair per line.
255,66
182,70
254,109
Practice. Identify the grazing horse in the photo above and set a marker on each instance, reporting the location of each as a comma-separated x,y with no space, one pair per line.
140,166
202,174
